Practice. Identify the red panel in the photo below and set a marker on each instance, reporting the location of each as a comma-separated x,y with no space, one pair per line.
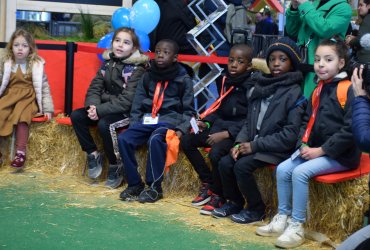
55,70
363,169
86,66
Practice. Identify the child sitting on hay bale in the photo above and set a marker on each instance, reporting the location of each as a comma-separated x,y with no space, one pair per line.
164,100
275,108
219,126
325,145
24,91
108,101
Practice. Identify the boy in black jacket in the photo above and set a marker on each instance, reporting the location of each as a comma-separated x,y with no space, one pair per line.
268,135
219,126
164,100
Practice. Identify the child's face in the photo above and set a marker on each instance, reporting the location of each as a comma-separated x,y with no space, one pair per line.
21,49
327,62
164,55
122,45
238,62
279,63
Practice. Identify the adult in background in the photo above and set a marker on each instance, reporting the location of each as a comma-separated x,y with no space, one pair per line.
258,22
360,240
361,54
311,22
175,21
267,25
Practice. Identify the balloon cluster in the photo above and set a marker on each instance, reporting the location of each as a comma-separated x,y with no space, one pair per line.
143,17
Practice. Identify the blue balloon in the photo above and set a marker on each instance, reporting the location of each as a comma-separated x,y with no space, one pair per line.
145,15
121,18
143,39
105,42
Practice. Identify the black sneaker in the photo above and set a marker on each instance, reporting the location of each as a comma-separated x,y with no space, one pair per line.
94,165
203,197
248,216
132,193
115,176
150,195
215,202
226,210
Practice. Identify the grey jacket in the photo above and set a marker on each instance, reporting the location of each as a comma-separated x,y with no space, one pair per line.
277,136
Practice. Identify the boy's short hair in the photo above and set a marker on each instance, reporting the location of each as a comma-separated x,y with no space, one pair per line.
289,47
247,50
173,43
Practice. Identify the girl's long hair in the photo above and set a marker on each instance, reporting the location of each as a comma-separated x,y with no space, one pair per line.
32,56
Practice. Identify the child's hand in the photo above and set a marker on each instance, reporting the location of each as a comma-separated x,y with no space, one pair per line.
217,137
245,148
234,152
201,125
48,116
309,153
91,113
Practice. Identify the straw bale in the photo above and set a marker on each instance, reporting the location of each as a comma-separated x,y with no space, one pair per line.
337,209
54,149
334,209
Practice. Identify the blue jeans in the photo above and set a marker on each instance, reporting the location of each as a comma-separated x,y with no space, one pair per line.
293,179
139,134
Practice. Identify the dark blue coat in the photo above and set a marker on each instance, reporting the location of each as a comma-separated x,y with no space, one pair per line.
361,122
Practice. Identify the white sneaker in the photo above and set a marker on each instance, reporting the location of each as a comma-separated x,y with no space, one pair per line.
293,236
276,226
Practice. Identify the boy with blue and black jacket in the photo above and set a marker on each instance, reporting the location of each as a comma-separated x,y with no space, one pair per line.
164,100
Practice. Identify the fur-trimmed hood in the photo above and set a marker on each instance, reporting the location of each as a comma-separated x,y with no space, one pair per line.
136,58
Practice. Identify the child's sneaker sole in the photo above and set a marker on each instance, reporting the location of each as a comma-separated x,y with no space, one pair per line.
201,203
205,212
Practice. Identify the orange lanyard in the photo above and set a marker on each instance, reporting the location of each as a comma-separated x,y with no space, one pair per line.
158,98
315,107
214,106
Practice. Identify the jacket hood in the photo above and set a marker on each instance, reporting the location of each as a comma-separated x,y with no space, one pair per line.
188,69
136,58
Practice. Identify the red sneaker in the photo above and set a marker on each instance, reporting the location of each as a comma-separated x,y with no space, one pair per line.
18,161
215,202
203,197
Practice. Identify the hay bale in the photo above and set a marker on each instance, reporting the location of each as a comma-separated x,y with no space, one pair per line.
334,209
337,210
54,149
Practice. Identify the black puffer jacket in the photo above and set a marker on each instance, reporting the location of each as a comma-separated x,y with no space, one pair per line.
231,114
178,102
277,137
113,88
332,129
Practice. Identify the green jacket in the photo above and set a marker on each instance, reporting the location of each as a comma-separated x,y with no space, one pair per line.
307,22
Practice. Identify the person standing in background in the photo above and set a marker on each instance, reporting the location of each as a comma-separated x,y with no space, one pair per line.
311,22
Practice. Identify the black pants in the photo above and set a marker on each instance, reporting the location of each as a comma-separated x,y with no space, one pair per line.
190,144
238,181
81,123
